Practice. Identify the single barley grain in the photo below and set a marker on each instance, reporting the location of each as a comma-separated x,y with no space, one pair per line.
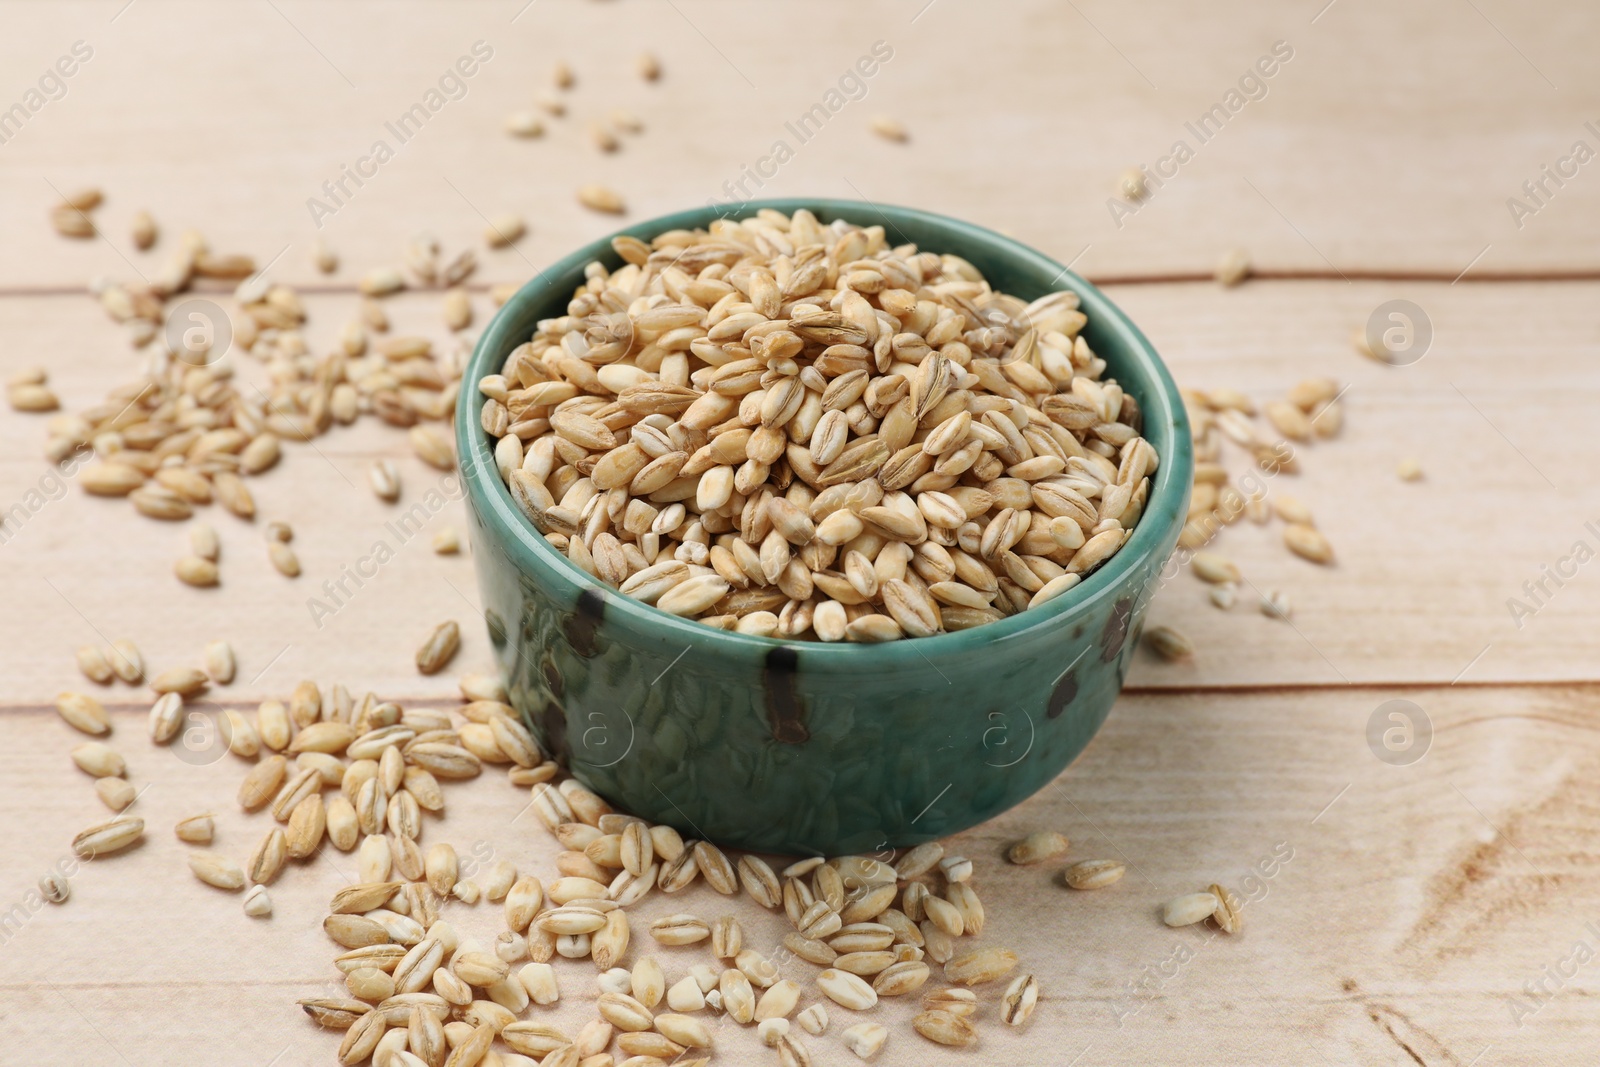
385,480
268,859
1293,510
308,822
381,281
686,995
505,230
83,713
220,663
94,665
813,1020
600,198
127,662
602,137
1037,847
963,1002
283,559
1277,605
433,447
771,1031
32,398
196,571
681,929
945,1029
898,978
70,221
1169,644
1210,567
1307,542
115,793
846,989
1229,915
890,129
333,1013
1189,909
144,231
738,998
524,124
262,782
456,309
185,681
1022,995
215,869
1131,184
980,965
956,868
447,542
323,257
1094,874
274,725
257,903
1409,470
99,760
196,830
108,837
865,1039
919,860
1061,583
1233,267
440,647
55,888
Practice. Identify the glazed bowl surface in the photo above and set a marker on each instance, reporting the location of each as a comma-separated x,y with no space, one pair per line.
801,747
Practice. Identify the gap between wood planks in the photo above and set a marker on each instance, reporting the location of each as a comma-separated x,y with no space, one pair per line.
1576,274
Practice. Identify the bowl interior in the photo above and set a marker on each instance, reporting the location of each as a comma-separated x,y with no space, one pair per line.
1008,265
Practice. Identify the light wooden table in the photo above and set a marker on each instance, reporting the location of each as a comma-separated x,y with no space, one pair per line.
1427,913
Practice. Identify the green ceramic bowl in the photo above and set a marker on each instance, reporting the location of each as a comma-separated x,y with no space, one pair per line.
799,746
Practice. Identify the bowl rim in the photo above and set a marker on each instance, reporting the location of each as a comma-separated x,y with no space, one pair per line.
492,500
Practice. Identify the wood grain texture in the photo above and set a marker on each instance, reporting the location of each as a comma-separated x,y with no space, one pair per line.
1386,905
1426,913
1391,140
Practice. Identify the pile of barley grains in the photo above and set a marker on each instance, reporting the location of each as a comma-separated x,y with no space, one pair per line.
369,778
788,428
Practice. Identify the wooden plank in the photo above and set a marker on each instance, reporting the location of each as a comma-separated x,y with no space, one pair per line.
1366,153
1387,905
1398,911
96,571
1420,592
1430,579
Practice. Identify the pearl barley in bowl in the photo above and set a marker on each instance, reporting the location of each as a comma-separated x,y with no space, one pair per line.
818,527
